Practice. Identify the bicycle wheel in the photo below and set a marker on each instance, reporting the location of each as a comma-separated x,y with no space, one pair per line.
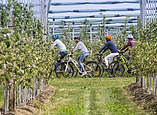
50,74
118,69
63,72
75,70
93,69
102,69
105,71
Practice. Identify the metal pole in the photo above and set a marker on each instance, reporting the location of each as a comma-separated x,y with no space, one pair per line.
144,12
155,9
73,31
90,32
91,38
149,10
53,26
41,11
141,12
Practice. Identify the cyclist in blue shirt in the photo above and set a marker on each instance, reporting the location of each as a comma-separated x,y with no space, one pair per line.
109,45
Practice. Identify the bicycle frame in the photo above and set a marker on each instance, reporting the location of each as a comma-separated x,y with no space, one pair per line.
125,61
75,64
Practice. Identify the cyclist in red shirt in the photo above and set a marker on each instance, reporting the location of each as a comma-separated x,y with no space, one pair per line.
129,44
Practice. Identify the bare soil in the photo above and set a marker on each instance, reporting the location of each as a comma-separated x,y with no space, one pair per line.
34,107
142,97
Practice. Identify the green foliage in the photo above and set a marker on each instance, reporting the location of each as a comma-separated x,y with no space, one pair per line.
4,14
119,109
92,96
145,49
23,52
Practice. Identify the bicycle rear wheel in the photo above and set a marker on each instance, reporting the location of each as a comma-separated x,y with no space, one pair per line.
63,72
93,69
102,69
50,74
105,71
118,69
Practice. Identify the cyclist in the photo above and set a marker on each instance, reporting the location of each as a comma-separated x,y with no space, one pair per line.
84,53
61,46
129,44
109,45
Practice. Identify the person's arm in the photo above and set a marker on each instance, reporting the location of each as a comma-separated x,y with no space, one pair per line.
76,48
125,47
103,49
54,43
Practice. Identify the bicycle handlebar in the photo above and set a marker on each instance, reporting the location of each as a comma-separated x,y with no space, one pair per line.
120,52
70,55
99,58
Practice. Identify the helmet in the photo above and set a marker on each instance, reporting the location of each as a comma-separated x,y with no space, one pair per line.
130,36
107,37
55,37
78,38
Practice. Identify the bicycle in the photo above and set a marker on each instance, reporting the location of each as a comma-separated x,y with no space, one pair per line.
121,65
52,69
104,69
66,68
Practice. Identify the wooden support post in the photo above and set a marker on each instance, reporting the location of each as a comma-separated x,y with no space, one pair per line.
38,87
20,95
141,82
144,81
34,88
31,90
148,84
17,95
5,97
11,88
154,79
155,86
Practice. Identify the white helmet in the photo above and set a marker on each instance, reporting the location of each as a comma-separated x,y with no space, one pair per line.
130,36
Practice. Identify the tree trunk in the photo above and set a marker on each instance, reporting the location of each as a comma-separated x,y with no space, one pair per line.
11,97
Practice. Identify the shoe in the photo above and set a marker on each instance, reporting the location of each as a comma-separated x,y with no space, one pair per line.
107,69
129,71
133,69
84,73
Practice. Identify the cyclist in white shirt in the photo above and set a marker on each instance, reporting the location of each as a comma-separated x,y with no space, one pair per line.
61,46
83,49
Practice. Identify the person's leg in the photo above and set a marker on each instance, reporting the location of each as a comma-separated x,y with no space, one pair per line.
127,57
109,58
57,62
80,60
62,55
